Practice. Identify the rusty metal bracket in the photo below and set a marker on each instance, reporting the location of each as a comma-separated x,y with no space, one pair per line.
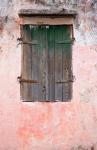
67,81
20,79
64,81
73,40
74,78
30,43
19,40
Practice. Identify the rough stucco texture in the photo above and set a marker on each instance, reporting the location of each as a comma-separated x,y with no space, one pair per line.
49,126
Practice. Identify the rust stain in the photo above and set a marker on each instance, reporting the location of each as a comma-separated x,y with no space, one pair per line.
1,25
92,148
27,132
33,120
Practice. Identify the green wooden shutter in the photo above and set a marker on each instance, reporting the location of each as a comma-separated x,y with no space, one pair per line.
63,63
34,63
26,88
59,63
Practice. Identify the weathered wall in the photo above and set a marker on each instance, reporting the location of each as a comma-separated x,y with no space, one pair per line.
49,126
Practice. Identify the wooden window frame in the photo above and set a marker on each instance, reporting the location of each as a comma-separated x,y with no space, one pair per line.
36,21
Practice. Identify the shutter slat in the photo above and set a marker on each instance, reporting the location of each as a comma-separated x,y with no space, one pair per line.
51,65
42,64
58,63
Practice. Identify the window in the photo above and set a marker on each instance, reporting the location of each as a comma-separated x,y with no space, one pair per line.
46,63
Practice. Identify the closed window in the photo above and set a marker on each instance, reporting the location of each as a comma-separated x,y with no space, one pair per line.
46,63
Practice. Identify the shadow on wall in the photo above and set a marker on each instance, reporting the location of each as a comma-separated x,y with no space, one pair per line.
84,148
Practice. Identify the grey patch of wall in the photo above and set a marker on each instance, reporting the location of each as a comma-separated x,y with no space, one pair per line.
80,147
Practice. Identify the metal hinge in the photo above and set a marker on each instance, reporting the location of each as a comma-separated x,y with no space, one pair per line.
67,81
20,79
64,81
20,41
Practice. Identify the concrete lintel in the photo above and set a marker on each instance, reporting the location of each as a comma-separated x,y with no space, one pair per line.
47,12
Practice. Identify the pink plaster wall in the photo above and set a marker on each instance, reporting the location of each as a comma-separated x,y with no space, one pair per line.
49,126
